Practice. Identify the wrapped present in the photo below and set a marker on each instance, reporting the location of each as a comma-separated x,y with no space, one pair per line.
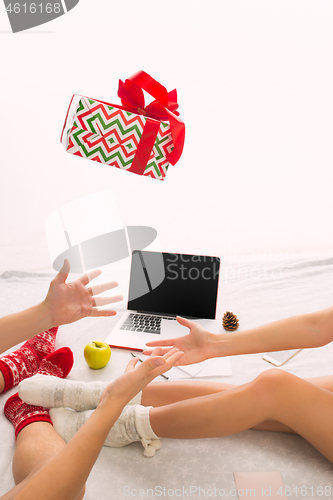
142,140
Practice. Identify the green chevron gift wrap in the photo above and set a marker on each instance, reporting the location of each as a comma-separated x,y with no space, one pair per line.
108,134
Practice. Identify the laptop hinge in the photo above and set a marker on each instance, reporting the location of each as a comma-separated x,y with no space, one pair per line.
157,313
166,314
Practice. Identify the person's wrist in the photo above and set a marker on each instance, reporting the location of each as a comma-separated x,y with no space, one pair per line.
114,402
114,394
45,315
107,412
218,345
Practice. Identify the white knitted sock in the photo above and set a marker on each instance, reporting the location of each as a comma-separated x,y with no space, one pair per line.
53,392
132,425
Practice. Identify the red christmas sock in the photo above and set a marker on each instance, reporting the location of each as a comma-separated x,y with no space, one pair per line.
58,364
25,362
21,414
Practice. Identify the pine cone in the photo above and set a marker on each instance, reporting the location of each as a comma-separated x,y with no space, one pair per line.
230,321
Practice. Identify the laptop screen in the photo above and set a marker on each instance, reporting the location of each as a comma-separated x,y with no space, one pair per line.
175,284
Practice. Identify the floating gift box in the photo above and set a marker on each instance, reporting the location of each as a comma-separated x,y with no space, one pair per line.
142,140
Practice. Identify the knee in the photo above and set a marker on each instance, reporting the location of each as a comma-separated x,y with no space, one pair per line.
271,385
273,375
273,380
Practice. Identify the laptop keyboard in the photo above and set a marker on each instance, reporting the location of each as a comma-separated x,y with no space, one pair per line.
146,323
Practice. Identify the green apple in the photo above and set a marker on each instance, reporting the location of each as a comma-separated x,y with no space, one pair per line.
97,354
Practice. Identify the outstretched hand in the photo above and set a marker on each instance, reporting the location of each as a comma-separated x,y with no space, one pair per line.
69,302
125,387
195,345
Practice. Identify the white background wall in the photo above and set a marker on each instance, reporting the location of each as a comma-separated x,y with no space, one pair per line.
254,80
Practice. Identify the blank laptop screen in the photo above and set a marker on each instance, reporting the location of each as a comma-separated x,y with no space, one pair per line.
175,284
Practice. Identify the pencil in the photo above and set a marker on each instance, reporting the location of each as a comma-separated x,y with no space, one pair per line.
164,376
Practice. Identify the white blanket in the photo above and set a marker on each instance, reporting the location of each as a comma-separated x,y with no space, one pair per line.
257,293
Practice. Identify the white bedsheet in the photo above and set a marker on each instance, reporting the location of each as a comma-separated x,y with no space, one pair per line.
257,293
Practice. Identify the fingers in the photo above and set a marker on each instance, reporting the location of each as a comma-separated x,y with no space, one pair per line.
158,351
101,312
156,365
148,352
86,278
172,342
66,267
174,358
131,364
63,273
168,355
185,322
154,362
102,301
165,342
97,289
162,352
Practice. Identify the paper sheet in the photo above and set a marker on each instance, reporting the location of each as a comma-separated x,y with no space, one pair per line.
210,368
260,485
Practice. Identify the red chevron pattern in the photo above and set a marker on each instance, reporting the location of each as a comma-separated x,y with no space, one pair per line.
107,134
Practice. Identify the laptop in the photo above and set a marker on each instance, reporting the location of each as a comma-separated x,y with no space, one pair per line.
163,286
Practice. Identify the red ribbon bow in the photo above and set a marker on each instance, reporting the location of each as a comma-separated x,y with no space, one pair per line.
162,108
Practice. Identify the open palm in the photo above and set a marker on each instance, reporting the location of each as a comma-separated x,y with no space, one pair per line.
195,345
69,302
125,387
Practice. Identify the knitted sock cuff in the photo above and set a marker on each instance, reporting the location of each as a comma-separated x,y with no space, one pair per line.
7,375
142,422
42,417
21,414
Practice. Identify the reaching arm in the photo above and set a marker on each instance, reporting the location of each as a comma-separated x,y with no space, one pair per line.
296,332
64,303
303,331
65,476
23,325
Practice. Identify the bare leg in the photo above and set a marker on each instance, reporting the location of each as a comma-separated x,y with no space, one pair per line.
304,407
36,445
326,382
220,414
162,393
2,382
273,396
